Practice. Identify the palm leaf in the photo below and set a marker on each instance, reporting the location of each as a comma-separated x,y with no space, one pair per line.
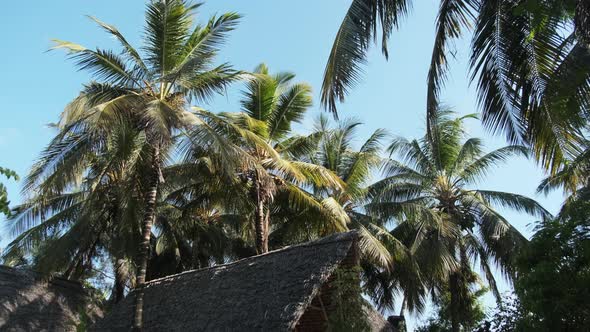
202,45
167,25
103,64
358,29
454,16
514,201
290,108
128,49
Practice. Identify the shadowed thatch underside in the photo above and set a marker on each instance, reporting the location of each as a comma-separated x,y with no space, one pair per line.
30,303
269,292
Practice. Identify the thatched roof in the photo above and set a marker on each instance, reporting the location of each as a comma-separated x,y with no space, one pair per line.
269,292
28,302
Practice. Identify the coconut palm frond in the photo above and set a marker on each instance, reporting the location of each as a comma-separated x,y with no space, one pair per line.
356,32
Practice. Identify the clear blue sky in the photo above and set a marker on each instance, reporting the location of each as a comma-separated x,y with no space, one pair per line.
287,35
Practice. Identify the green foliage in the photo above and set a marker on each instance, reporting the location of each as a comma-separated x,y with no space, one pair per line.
350,314
471,313
224,185
359,28
4,202
276,176
554,272
508,317
429,190
572,177
529,65
88,192
335,151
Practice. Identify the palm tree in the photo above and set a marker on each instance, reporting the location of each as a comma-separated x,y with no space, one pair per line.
448,225
271,104
81,195
388,265
335,152
98,217
154,89
199,215
573,178
530,66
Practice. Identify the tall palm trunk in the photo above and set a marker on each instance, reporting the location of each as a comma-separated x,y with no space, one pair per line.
454,279
454,290
260,221
148,221
266,227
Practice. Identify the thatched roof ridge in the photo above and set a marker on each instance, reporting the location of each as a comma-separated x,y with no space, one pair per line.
268,292
335,238
27,275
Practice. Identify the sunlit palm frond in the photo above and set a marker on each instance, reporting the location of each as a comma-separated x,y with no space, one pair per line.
373,249
299,146
103,64
412,153
91,96
318,176
202,45
513,201
356,32
259,98
479,168
571,177
167,26
61,164
470,151
202,86
290,108
454,17
31,213
516,58
141,71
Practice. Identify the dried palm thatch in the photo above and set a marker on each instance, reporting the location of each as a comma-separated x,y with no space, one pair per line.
282,290
29,302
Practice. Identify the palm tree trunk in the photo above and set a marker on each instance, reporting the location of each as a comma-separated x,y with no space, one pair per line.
266,229
148,220
454,290
259,222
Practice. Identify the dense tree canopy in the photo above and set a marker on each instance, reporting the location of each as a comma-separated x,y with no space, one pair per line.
554,272
141,181
529,61
448,224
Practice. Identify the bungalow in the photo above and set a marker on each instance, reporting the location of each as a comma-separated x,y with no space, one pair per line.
291,289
